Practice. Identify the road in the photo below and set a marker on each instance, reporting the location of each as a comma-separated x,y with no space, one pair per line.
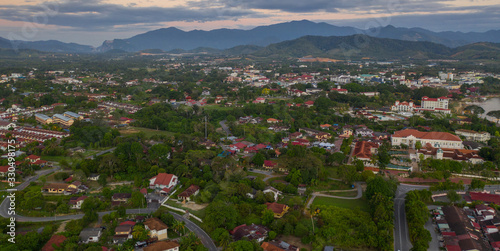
101,153
205,239
268,174
401,234
358,186
225,128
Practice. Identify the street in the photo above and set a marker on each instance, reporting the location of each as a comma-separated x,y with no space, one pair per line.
225,128
401,234
204,237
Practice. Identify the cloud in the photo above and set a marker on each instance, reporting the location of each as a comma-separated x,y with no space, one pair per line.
94,14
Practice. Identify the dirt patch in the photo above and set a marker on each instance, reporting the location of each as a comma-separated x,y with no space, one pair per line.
62,226
294,241
193,206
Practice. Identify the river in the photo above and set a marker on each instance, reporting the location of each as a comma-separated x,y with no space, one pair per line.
491,104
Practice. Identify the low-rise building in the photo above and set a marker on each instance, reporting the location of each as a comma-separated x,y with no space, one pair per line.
63,120
278,209
43,119
156,228
410,137
473,135
250,232
192,190
90,235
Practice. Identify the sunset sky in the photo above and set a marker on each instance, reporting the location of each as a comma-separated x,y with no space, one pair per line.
93,21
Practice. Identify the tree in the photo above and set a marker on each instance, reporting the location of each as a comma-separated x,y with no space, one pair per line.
495,114
477,184
221,214
418,145
140,233
102,180
267,217
272,235
380,185
258,159
383,156
453,196
137,199
474,109
121,211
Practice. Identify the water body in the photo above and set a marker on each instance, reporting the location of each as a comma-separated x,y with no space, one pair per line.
491,104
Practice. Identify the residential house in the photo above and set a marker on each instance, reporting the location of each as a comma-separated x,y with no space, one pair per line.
322,136
122,234
269,164
207,143
364,150
325,126
309,103
339,90
259,101
364,132
57,187
347,131
250,232
163,181
277,245
94,176
438,152
473,135
272,121
90,235
276,193
156,228
6,125
278,209
119,198
76,202
55,240
192,190
163,246
410,137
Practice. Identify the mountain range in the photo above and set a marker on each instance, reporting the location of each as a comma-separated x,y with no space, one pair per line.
168,39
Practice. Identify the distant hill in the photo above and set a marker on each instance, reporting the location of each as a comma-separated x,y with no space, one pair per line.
355,47
169,39
48,46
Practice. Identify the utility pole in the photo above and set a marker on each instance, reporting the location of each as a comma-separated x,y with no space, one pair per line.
205,127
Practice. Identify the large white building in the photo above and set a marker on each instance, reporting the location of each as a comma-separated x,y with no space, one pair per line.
410,137
435,104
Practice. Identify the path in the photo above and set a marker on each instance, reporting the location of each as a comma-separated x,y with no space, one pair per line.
101,153
268,174
225,128
358,187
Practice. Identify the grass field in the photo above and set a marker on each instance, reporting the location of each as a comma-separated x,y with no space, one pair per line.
350,204
258,175
217,107
148,132
344,194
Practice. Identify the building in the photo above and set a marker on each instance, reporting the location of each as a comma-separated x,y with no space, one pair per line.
163,181
156,228
278,246
63,120
57,187
90,235
435,104
410,137
6,125
473,135
403,106
278,209
119,198
436,152
269,164
43,119
73,115
276,193
76,202
163,246
364,150
251,232
55,240
122,234
192,190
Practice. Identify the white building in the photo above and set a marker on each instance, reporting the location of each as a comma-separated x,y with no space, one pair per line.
163,180
473,135
403,106
435,104
410,137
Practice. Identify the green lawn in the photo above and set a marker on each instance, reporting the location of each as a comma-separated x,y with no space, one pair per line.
331,185
258,175
148,132
199,213
217,107
56,158
345,194
350,204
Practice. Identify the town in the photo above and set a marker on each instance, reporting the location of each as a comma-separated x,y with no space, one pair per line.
210,153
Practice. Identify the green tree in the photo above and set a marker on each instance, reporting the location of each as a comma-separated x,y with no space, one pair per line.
137,199
453,196
495,114
258,159
267,217
221,214
477,184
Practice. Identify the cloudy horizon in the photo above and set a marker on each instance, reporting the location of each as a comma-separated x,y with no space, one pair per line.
93,21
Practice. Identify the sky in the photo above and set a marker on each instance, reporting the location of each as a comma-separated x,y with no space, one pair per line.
91,22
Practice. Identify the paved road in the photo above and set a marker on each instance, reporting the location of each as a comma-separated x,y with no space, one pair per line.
205,239
225,128
358,187
101,153
401,234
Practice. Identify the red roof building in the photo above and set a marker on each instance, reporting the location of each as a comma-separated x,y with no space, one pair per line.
409,137
55,239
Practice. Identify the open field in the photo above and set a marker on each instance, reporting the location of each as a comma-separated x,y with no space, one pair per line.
350,204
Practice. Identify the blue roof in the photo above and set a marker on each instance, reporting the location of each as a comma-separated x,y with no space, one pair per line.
59,116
